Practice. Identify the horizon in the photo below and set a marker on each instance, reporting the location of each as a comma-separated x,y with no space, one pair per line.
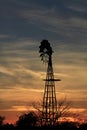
23,25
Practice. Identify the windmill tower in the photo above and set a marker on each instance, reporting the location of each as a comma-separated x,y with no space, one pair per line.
49,109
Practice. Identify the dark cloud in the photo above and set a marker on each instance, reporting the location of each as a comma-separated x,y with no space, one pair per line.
12,23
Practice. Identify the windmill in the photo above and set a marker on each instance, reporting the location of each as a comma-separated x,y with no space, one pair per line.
49,106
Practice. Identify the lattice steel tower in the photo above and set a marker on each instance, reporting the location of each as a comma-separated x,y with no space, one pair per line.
49,110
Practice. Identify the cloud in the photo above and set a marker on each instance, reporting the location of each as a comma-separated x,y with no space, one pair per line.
56,19
6,71
3,36
72,29
11,77
23,24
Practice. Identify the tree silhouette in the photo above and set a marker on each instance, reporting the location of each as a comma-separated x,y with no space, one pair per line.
1,120
83,126
63,109
8,126
27,120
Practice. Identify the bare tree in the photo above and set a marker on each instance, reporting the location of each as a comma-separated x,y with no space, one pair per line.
63,109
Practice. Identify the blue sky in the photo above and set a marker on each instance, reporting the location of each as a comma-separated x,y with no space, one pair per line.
23,25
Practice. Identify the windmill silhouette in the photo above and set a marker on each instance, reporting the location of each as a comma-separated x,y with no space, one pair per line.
49,106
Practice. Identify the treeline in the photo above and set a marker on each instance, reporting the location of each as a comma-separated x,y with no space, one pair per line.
32,121
62,126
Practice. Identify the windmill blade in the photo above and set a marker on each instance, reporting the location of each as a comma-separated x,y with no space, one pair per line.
45,50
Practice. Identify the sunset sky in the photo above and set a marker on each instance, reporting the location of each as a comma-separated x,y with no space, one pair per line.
23,25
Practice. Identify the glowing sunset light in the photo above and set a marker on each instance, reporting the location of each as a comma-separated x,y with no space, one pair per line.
22,108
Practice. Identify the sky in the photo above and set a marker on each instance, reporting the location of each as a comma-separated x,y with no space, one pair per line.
23,25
